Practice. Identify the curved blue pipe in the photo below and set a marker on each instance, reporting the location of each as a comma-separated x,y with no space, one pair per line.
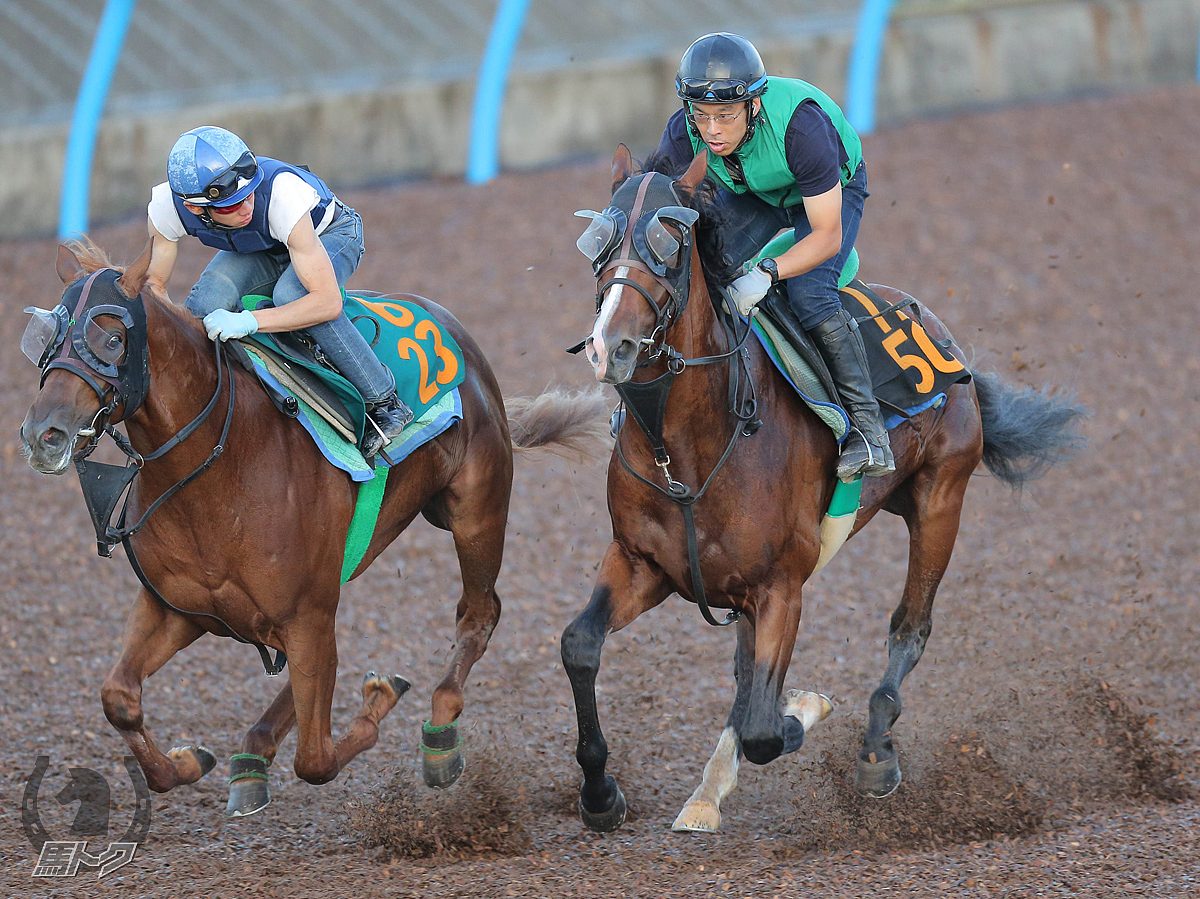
489,90
863,71
93,89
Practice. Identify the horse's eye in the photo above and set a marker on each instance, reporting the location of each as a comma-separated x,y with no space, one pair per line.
114,342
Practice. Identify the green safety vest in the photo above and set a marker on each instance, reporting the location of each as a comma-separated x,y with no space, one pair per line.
764,158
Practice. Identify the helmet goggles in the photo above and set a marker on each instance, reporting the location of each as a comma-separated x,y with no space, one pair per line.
718,90
224,186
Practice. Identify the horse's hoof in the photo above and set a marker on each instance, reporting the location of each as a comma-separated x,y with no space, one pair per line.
441,754
185,757
442,769
247,797
248,788
400,684
878,780
698,817
808,708
606,821
394,682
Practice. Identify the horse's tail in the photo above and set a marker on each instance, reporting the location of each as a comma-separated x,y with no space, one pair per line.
558,419
1025,430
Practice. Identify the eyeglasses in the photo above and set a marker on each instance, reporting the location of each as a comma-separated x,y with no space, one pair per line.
721,118
225,210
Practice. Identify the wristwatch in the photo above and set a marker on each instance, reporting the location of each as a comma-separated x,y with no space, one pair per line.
771,268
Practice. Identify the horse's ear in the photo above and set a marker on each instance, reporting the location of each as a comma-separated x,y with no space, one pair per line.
67,265
622,166
695,173
134,279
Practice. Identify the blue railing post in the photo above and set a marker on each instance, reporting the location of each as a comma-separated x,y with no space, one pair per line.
482,155
93,89
863,74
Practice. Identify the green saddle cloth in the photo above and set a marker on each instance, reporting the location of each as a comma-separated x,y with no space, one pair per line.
424,358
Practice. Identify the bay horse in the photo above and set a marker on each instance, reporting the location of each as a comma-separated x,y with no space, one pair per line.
756,497
256,550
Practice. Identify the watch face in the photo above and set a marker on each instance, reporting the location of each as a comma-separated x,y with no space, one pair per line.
771,268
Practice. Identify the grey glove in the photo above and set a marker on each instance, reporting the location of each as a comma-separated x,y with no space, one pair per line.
748,290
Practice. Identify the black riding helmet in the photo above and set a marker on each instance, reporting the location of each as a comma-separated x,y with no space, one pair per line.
721,68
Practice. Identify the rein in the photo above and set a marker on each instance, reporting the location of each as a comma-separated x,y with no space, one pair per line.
103,485
651,397
647,402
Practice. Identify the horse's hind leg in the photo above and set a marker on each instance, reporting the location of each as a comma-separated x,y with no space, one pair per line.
152,635
931,509
474,507
248,787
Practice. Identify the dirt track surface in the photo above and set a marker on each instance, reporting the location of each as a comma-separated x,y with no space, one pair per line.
1049,733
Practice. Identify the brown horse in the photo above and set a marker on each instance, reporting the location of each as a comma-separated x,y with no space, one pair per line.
757,497
255,551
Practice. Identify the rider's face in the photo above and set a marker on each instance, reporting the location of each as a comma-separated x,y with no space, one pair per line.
721,125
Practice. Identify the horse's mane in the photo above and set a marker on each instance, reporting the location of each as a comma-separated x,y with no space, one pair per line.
719,269
90,257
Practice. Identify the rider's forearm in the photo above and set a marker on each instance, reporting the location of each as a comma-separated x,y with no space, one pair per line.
311,309
808,253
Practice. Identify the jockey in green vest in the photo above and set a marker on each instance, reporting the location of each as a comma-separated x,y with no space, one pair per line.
783,156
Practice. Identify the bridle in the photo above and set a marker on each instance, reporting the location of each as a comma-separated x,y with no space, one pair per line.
125,386
646,401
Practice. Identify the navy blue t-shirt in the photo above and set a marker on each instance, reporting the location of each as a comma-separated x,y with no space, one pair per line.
814,151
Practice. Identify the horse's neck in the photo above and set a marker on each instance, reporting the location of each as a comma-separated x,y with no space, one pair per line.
183,378
699,400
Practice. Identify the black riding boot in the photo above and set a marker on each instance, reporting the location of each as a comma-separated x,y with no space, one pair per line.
866,448
385,420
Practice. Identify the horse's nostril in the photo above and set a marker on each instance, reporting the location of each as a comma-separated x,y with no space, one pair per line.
53,438
624,351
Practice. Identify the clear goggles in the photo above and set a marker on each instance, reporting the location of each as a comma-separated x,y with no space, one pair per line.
654,242
102,347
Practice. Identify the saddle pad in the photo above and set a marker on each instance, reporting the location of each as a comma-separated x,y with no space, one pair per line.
908,368
424,358
801,376
904,382
343,453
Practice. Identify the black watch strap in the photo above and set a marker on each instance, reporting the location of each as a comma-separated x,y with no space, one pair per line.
771,268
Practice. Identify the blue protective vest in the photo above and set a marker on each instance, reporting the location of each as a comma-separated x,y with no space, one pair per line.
255,236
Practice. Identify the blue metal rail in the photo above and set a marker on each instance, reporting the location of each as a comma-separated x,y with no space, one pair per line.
81,144
863,74
482,157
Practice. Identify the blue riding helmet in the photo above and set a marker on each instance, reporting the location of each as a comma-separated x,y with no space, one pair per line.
209,166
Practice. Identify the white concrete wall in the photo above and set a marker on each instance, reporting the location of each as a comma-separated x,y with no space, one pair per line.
937,57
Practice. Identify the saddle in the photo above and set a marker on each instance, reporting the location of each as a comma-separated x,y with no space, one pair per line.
299,381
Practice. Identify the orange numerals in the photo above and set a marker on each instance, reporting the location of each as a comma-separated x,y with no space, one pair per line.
428,389
395,313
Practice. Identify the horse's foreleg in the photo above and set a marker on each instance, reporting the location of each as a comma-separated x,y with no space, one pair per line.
702,812
765,732
477,509
625,587
153,634
932,513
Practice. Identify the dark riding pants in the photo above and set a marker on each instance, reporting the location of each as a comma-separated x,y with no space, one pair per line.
750,224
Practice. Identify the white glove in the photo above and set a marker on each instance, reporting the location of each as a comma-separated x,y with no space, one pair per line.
748,290
225,325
